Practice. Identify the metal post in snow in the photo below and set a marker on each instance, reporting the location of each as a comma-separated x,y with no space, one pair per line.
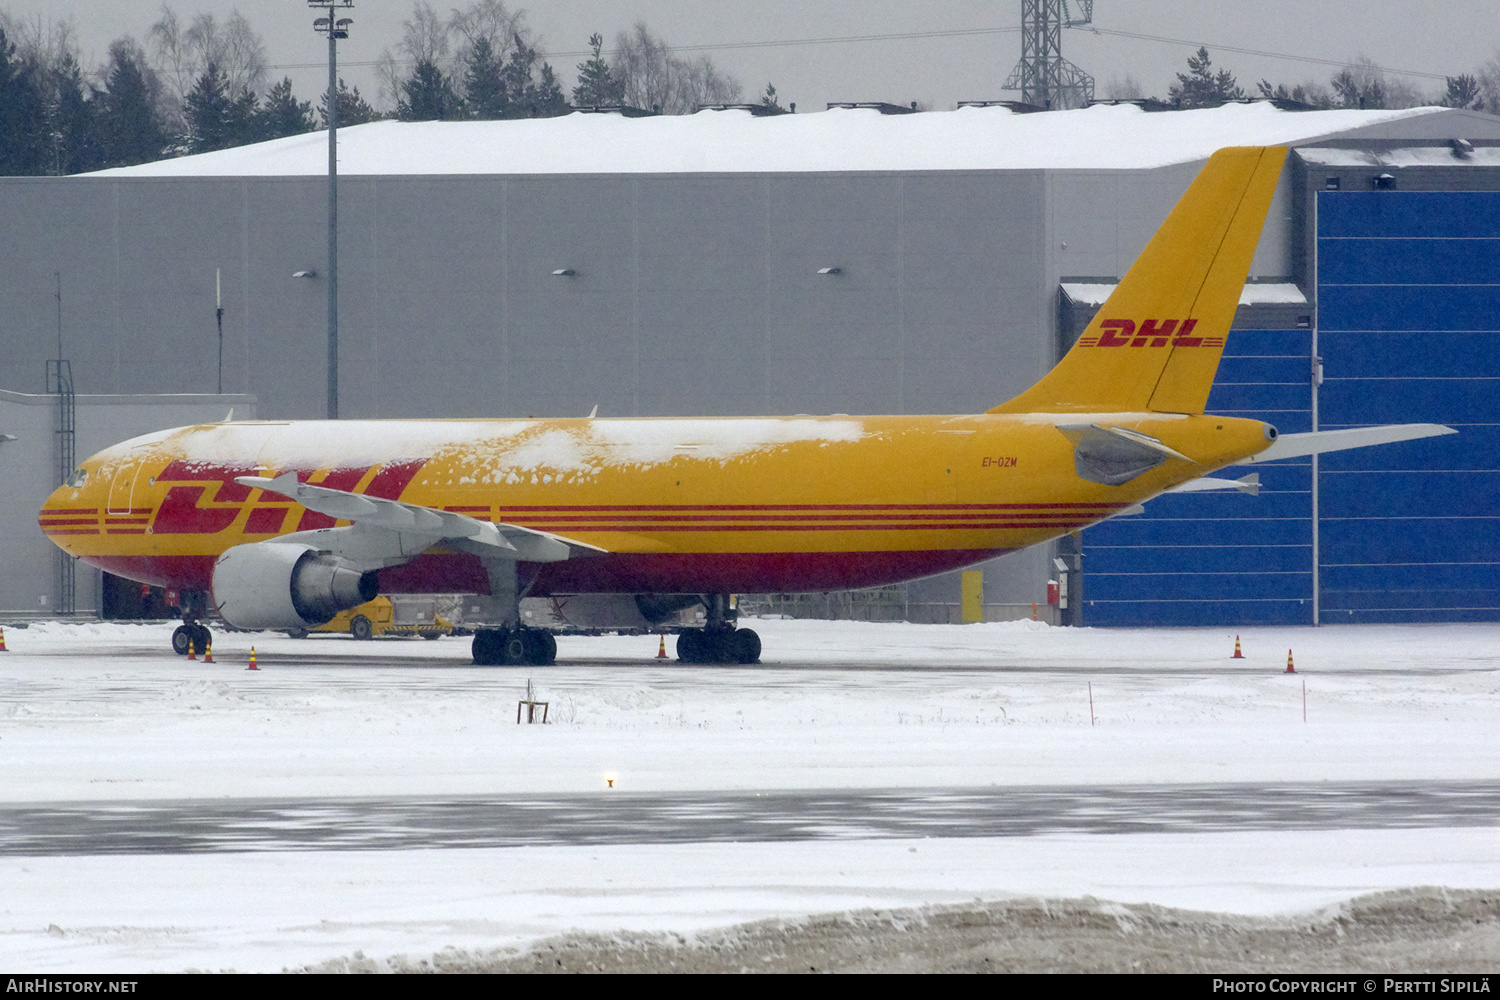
333,226
219,316
1091,701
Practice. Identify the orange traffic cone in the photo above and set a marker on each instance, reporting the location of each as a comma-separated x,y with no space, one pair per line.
661,650
2,640
252,665
191,655
1289,668
1237,654
208,651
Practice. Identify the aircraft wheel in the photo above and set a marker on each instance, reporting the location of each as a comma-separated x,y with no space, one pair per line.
184,636
360,628
202,638
296,633
541,647
746,645
690,646
486,648
512,647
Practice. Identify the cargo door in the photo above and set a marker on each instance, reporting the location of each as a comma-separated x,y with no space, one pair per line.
122,486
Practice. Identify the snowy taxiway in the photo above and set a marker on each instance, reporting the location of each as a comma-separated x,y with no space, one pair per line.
103,713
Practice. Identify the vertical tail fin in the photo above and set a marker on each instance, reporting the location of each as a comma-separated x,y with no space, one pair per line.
1156,343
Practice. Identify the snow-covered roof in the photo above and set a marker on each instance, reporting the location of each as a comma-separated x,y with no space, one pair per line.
1093,293
993,138
1412,156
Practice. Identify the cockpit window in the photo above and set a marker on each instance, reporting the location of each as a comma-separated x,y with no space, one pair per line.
79,477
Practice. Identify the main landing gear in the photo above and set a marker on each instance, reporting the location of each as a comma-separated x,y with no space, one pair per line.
718,641
510,642
496,647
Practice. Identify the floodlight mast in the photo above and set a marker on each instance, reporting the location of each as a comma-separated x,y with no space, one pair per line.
335,29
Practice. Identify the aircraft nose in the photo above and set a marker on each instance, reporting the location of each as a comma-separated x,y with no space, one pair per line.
68,513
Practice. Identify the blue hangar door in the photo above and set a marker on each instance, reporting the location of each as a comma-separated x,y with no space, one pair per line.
1409,331
1222,558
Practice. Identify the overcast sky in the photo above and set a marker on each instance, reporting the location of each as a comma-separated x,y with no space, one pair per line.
1424,36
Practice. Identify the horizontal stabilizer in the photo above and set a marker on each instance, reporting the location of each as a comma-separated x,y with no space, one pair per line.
1245,484
1317,442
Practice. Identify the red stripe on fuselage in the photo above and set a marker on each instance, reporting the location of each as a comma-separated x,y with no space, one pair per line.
447,573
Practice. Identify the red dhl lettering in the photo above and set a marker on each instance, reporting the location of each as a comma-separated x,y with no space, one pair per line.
196,509
1150,333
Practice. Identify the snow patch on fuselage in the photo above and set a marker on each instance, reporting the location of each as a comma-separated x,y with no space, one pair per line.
490,451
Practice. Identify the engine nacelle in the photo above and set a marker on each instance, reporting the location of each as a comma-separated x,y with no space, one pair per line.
286,585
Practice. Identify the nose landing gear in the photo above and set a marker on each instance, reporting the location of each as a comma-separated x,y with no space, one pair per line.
190,631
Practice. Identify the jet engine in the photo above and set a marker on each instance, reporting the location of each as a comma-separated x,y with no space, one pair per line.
280,585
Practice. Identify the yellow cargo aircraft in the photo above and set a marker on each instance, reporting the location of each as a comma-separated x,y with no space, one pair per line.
281,525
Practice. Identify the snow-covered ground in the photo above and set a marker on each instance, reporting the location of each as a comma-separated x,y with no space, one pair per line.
106,712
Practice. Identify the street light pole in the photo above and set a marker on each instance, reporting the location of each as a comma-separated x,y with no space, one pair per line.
334,29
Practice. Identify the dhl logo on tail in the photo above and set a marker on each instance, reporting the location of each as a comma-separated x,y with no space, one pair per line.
1152,333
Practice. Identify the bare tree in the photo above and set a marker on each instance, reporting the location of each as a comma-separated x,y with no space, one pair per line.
1126,89
1362,84
424,39
182,54
699,81
654,78
1489,84
489,21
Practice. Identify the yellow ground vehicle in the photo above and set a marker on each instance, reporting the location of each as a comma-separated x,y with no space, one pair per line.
406,616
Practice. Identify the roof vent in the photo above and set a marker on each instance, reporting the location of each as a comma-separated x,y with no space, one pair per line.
1384,182
1463,149
881,106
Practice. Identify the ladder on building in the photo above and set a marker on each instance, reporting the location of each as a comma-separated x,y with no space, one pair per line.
60,384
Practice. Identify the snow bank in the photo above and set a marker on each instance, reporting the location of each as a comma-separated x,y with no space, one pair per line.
994,138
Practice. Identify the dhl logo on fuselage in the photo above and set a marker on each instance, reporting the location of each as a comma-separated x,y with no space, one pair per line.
1151,333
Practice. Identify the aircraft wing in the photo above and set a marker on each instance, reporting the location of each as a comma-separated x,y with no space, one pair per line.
505,541
1317,442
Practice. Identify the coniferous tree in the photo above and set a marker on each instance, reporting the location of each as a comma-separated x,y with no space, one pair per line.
532,95
283,115
484,83
24,135
75,124
1201,87
131,129
427,95
216,118
1463,91
353,109
597,86
1357,88
769,98
547,100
